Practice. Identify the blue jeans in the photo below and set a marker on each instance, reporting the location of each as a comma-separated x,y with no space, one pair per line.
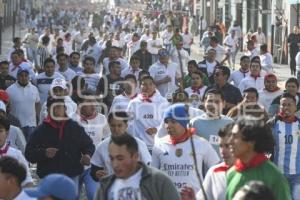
27,131
90,184
294,181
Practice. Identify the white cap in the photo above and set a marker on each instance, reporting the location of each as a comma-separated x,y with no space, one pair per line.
2,106
58,82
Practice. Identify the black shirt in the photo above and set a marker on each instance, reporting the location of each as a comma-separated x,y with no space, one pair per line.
109,88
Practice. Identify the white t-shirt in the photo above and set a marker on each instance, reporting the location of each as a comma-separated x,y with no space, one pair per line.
210,67
185,58
249,82
187,39
101,158
237,76
43,83
126,188
166,36
129,70
145,37
266,98
16,154
159,71
96,128
120,103
68,74
16,138
220,52
22,101
177,160
214,183
146,115
266,61
253,53
230,42
151,48
199,92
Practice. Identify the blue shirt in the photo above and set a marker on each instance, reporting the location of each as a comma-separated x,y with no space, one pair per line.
209,127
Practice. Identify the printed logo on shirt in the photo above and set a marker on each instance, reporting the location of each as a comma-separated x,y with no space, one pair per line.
160,72
129,193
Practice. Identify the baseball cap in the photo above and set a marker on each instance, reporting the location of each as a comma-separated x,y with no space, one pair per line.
21,69
2,106
4,96
58,82
178,113
56,185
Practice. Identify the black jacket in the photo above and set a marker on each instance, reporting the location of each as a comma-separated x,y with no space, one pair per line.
72,145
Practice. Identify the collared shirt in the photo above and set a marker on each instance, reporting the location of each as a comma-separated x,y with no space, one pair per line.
23,100
250,81
159,71
237,76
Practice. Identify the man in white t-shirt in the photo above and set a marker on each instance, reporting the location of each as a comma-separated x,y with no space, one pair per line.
260,36
252,51
25,102
266,59
146,110
188,40
214,183
44,80
12,174
164,73
220,51
154,44
166,37
7,150
238,75
63,69
133,179
231,44
101,164
173,154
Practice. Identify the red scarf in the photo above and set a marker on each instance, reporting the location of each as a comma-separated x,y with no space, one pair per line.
254,162
196,89
222,168
85,118
286,119
57,125
179,139
4,150
147,98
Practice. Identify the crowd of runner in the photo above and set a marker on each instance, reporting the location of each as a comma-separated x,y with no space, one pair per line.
112,106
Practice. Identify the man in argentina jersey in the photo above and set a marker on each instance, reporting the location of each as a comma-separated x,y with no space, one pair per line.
286,130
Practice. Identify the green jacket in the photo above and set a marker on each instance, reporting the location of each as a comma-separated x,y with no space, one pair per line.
266,172
154,185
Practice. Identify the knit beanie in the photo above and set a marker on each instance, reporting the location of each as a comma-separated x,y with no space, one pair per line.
178,113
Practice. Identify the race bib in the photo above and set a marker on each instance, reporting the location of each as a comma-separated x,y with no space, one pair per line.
214,139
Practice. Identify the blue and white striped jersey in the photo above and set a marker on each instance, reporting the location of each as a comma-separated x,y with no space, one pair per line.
287,147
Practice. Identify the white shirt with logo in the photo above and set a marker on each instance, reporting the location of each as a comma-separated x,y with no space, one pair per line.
128,189
177,160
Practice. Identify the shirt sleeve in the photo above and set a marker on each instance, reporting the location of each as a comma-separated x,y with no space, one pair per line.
97,158
155,157
144,153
